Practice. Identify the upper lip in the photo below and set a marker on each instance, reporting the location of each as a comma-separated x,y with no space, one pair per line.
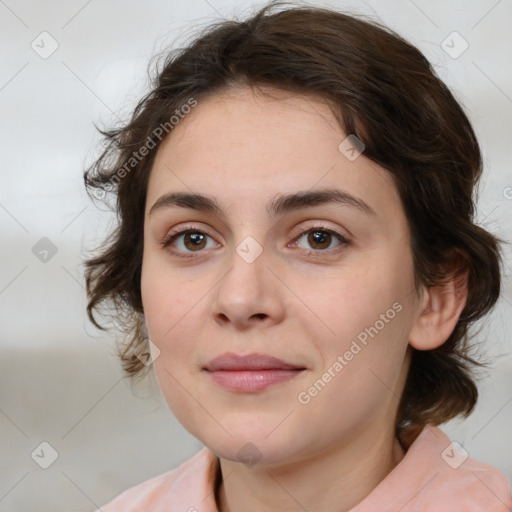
233,362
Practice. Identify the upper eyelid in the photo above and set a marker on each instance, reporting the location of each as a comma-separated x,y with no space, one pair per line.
321,228
187,229
318,224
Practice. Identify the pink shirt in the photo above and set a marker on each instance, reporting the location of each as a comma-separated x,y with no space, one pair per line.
432,477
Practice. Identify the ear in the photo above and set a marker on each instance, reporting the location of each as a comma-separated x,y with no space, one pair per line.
439,310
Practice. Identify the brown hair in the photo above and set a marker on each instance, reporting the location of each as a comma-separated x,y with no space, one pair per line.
381,89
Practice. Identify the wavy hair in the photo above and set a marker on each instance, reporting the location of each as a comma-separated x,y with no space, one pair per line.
381,89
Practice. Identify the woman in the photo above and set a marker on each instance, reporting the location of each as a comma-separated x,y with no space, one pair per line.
296,255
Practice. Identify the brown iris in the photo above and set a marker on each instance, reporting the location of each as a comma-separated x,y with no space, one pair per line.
196,240
319,239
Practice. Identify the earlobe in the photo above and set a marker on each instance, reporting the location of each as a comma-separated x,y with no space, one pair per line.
439,311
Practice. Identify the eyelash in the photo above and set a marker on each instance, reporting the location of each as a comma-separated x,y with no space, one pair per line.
344,242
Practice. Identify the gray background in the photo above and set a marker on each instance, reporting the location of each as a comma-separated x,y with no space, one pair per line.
59,380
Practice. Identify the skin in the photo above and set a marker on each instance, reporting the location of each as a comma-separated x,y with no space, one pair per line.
246,149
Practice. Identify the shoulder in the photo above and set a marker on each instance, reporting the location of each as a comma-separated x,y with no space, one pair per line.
181,486
478,486
437,475
451,480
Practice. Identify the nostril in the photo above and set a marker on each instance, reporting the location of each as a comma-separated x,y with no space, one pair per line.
223,317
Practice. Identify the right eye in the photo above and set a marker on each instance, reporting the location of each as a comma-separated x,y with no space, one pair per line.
187,241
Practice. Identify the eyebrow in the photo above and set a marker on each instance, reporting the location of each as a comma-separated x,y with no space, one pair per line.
282,204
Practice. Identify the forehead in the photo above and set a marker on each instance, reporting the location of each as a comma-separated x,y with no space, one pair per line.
243,121
241,145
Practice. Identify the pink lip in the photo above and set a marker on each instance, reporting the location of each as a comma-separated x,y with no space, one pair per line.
250,373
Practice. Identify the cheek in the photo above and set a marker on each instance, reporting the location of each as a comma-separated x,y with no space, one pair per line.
353,300
171,320
174,310
361,362
163,294
366,315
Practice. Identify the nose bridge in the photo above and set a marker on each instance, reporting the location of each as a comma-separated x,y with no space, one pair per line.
246,291
244,282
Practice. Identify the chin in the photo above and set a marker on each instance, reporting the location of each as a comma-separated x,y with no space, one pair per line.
250,446
250,453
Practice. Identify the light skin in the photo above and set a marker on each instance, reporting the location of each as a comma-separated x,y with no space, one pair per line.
246,150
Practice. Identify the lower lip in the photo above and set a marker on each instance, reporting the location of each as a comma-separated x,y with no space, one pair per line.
251,380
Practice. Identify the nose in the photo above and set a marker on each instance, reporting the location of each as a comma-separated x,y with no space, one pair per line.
248,294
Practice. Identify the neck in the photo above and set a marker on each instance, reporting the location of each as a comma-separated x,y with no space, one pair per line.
333,481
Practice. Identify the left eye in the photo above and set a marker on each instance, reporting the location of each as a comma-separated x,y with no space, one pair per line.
321,239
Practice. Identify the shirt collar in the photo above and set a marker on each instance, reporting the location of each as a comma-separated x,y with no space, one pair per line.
433,475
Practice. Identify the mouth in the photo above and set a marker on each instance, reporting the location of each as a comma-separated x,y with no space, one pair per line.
250,373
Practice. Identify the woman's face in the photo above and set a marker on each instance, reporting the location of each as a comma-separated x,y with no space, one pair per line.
271,265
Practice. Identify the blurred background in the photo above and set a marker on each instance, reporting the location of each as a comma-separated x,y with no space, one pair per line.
73,432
